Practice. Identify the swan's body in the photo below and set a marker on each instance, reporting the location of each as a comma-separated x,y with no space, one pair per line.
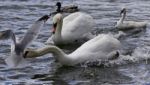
102,47
72,28
17,47
125,25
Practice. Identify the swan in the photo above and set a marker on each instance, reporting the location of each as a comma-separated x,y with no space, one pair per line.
103,47
17,47
73,28
125,25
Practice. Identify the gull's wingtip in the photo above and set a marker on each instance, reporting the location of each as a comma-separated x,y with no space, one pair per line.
45,18
5,34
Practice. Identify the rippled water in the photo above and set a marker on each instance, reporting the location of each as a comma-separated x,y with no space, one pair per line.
18,15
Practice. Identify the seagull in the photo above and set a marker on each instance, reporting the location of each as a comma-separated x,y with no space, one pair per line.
17,47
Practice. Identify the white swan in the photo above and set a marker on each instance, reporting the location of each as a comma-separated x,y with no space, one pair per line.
17,48
73,28
102,47
125,25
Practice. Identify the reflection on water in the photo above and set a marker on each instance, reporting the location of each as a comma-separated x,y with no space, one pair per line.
88,76
18,15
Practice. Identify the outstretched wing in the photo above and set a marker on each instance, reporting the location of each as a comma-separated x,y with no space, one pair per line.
33,31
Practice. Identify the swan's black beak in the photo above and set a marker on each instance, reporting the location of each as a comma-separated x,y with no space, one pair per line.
44,18
123,11
5,34
25,54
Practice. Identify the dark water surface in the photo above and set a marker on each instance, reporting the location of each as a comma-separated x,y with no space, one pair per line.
18,15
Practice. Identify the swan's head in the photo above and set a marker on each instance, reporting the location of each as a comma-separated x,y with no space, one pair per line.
57,21
58,4
123,11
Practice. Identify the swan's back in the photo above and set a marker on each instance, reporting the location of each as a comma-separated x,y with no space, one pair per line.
103,44
76,25
131,24
71,17
70,9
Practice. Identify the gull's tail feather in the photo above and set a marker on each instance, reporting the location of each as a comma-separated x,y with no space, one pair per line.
14,61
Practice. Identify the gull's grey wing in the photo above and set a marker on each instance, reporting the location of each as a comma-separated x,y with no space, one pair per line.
33,31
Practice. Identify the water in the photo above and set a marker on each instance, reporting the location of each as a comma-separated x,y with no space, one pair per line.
18,15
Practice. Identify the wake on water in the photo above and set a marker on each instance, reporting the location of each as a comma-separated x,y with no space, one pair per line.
139,55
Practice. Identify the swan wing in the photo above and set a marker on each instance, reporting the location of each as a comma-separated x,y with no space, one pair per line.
32,32
103,43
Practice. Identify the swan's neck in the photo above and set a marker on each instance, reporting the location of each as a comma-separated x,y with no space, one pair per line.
58,53
57,35
122,18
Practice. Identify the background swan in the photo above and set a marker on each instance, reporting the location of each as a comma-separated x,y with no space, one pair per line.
102,47
73,28
124,25
17,47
